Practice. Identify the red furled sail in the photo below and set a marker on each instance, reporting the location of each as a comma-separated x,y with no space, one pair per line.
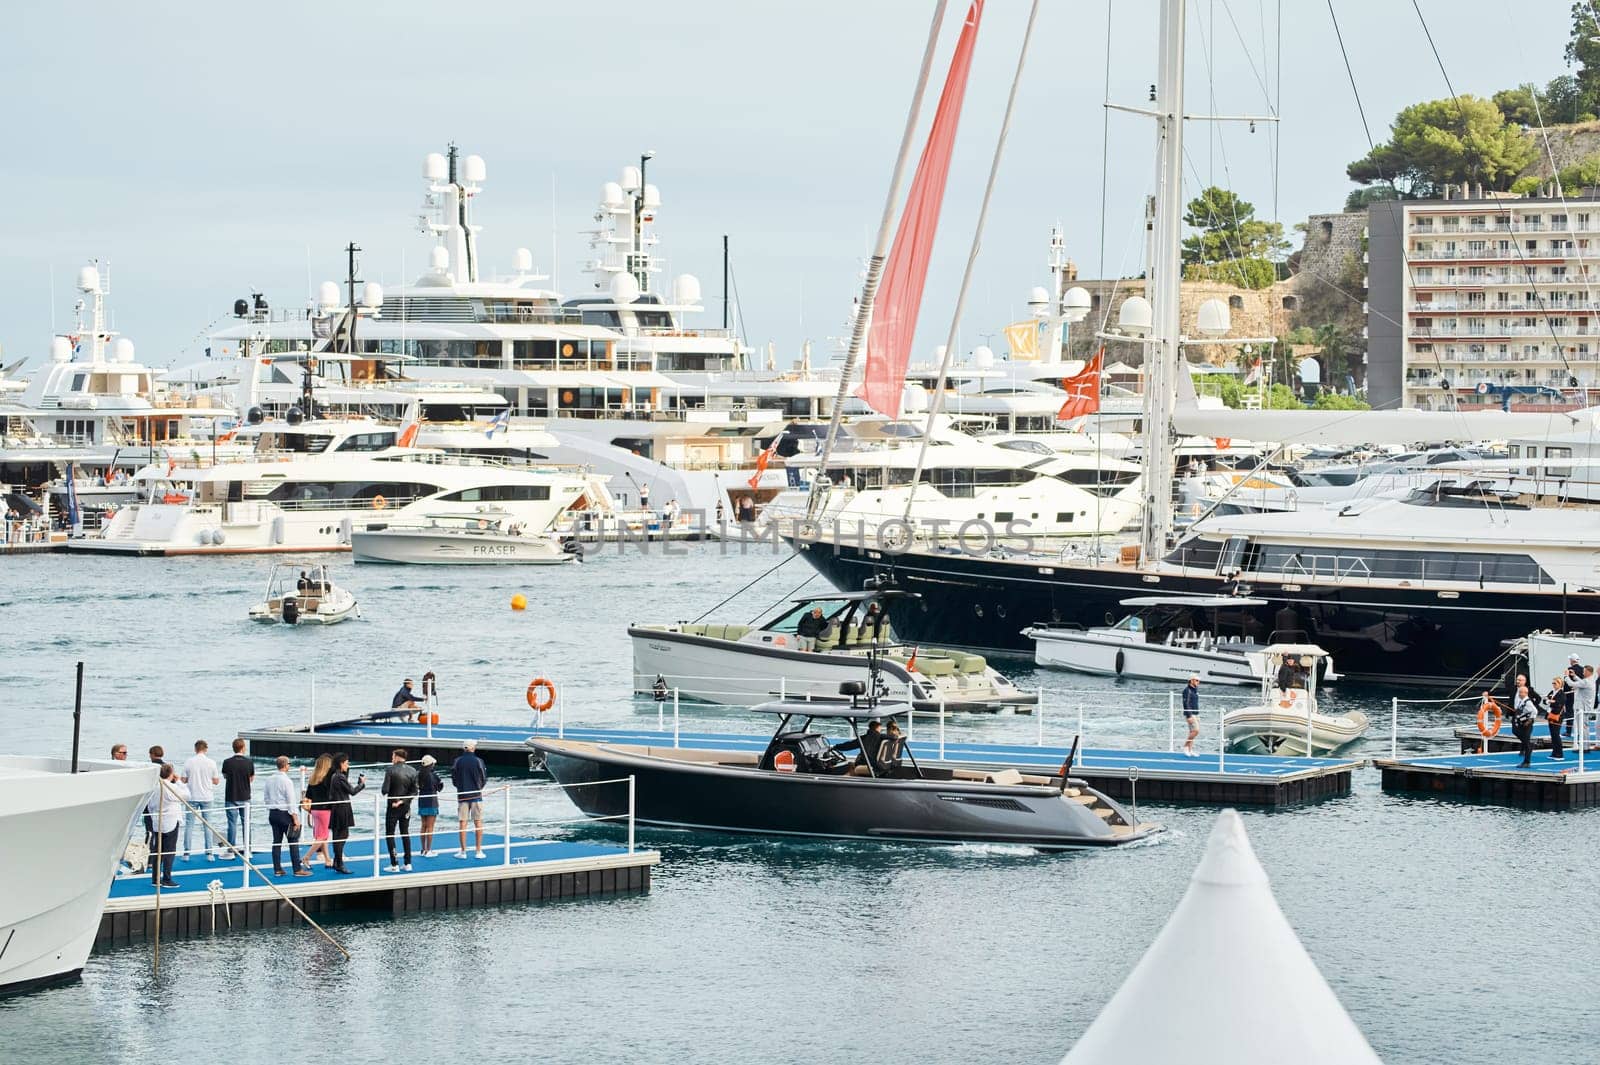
894,316
1083,390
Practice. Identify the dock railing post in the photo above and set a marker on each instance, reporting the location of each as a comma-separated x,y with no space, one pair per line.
377,829
244,845
1308,723
631,780
661,715
508,825
1222,740
561,718
1172,724
674,718
1394,725
941,725
1038,714
783,688
1083,748
313,705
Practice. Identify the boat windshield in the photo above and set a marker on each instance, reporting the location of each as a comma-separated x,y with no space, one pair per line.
1131,623
787,622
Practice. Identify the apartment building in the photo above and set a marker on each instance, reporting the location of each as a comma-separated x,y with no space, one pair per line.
1480,301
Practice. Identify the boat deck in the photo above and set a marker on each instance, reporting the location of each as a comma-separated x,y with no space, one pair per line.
1157,776
224,895
1498,777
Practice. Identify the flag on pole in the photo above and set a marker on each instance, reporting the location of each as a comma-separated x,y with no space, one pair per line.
894,315
1083,390
1023,337
500,424
1255,373
408,435
911,663
762,460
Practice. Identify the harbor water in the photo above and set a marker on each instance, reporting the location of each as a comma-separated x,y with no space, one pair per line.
1451,932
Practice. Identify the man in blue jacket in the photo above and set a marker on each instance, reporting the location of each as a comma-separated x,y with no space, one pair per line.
469,774
1191,712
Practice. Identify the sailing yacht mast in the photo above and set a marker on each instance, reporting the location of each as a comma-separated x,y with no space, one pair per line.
1163,352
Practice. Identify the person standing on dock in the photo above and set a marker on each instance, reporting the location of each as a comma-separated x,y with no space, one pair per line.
151,837
1191,712
469,775
238,771
428,788
283,815
400,785
165,809
316,806
201,778
1524,708
341,815
1557,709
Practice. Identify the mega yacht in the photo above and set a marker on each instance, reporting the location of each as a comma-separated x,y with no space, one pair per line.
967,488
309,484
63,830
617,374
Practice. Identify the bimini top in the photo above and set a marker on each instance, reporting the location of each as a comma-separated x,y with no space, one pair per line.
1296,649
830,709
1206,601
858,597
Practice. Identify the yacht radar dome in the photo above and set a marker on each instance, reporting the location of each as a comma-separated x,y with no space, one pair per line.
652,197
88,279
630,179
983,356
122,350
439,260
1039,301
1135,316
60,349
522,261
371,296
433,168
1075,305
624,288
1213,318
611,196
472,170
685,290
328,295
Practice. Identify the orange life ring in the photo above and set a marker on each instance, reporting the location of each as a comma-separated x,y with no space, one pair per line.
783,762
780,641
541,694
1487,709
379,503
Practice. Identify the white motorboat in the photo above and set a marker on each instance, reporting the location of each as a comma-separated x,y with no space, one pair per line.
1163,639
304,597
62,834
742,665
490,538
1288,721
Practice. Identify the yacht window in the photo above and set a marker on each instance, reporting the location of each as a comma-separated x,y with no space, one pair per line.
499,493
1197,552
367,442
316,495
1557,453
1393,564
788,622
1063,517
77,382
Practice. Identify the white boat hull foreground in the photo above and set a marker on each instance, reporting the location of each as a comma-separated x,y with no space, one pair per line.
1284,728
62,836
438,547
1104,653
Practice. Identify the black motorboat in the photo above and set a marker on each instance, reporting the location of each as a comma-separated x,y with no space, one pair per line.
803,784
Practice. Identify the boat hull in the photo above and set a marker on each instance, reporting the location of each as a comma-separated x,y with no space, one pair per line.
421,548
63,836
1381,634
756,802
739,673
1258,730
1084,652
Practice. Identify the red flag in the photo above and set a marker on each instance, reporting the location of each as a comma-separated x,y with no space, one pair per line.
762,460
1083,390
911,663
894,315
408,435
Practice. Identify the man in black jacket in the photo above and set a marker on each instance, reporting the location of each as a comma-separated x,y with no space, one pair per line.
868,744
400,785
812,626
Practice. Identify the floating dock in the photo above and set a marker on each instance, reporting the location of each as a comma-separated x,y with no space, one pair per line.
40,547
1156,776
225,896
1547,783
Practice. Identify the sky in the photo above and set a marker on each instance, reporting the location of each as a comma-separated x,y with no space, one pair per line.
207,151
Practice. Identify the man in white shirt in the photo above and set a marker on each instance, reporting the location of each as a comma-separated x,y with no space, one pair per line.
284,817
165,807
200,776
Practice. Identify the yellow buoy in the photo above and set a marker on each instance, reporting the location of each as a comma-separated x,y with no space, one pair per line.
519,602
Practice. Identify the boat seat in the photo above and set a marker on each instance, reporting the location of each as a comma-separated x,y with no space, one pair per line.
1086,800
936,667
1005,776
970,663
829,638
736,632
713,632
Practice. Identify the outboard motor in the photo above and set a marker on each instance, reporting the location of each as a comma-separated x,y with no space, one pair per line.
291,610
659,689
571,547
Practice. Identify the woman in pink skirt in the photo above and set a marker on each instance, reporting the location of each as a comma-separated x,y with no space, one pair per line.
316,802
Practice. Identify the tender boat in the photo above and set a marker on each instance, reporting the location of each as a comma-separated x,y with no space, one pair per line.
1288,721
307,596
63,834
1163,639
805,785
745,664
490,537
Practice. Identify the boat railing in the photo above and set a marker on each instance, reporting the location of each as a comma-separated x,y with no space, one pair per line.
514,809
